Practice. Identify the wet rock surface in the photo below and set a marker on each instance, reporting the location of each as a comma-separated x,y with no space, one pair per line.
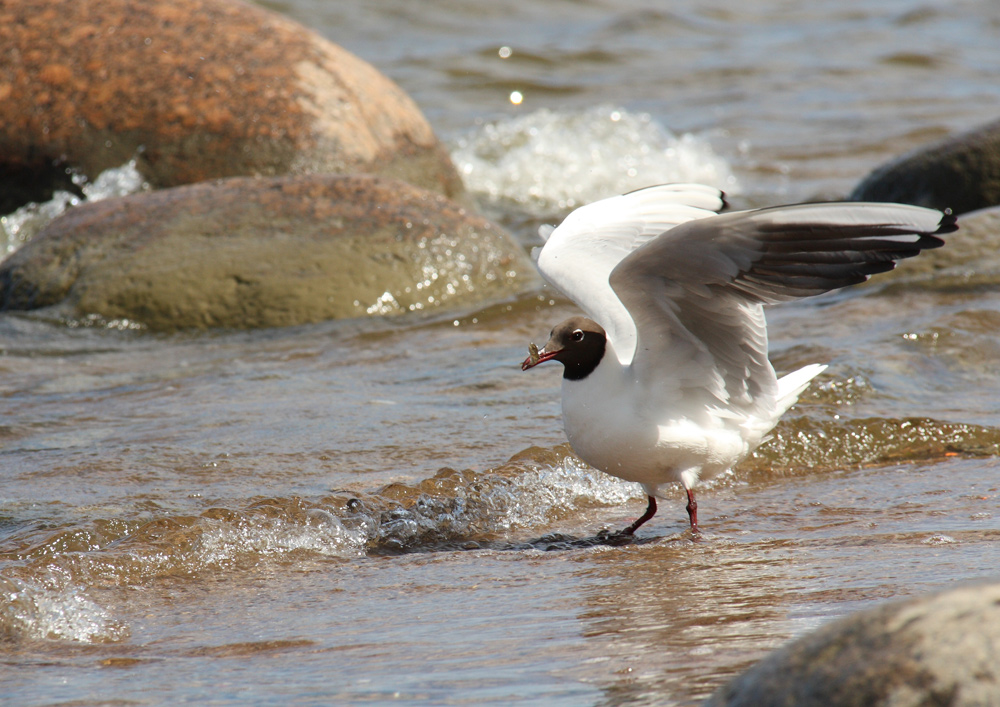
195,89
263,252
961,173
942,649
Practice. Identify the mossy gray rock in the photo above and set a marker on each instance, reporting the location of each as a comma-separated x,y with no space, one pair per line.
247,253
961,173
942,649
196,90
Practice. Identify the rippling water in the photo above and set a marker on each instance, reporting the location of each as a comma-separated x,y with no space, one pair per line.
383,510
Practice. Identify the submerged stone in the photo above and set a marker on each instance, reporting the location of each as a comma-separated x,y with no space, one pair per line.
961,173
194,89
247,253
941,649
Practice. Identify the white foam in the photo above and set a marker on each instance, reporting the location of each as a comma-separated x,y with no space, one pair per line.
503,502
572,484
549,161
19,227
120,181
54,608
274,537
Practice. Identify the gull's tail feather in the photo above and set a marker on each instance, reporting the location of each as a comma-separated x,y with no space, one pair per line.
790,387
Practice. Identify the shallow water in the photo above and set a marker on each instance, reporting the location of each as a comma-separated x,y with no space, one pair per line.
383,510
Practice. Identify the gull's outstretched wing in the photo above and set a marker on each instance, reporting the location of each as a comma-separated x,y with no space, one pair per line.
696,292
580,254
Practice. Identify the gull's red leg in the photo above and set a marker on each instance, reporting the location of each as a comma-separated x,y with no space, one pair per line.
650,512
692,509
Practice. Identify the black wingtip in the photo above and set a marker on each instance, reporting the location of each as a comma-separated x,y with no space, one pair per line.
927,242
949,222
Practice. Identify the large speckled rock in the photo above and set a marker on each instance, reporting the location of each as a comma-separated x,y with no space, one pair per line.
246,252
938,650
198,89
961,173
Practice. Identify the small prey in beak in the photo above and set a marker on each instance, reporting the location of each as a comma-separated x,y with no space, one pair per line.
535,357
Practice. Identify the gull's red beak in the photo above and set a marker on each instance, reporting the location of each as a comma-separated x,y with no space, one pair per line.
542,357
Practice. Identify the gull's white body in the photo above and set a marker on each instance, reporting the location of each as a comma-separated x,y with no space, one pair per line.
613,427
685,388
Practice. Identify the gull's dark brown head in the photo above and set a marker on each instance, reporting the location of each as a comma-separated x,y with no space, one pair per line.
577,343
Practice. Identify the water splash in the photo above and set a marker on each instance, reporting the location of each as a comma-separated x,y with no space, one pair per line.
45,588
23,224
52,607
463,508
120,181
551,161
52,583
317,530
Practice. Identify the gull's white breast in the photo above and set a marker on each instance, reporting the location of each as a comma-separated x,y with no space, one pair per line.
612,427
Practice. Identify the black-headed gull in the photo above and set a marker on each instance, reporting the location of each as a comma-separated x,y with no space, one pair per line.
667,379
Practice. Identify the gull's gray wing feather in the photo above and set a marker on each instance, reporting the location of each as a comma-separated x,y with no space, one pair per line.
696,293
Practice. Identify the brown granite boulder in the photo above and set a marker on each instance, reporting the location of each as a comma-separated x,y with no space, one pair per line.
961,173
197,89
263,252
942,649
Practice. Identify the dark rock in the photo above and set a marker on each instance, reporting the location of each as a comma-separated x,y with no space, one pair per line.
197,89
943,649
961,173
262,252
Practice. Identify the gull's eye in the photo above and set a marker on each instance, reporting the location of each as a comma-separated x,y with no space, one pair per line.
577,335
